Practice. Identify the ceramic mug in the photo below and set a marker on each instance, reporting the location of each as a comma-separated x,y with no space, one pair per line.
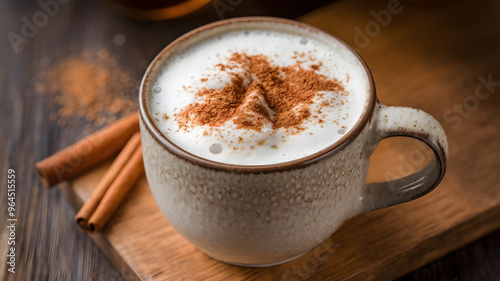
269,214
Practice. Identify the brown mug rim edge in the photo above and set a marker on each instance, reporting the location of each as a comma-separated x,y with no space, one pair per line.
289,165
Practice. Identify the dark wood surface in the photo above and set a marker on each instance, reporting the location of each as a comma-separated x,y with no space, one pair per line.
49,246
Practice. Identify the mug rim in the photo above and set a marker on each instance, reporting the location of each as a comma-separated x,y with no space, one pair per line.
288,165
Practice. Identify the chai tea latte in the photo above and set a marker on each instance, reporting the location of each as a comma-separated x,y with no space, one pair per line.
258,97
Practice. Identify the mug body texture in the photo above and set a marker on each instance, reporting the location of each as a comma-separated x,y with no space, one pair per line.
269,214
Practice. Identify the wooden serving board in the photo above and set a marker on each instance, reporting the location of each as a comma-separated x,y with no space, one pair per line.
433,57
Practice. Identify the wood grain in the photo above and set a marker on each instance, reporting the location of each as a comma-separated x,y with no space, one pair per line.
388,243
48,246
429,56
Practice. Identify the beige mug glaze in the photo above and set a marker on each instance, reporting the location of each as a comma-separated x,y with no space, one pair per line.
269,214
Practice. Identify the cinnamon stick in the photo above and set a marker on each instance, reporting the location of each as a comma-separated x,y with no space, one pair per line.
85,154
117,191
95,198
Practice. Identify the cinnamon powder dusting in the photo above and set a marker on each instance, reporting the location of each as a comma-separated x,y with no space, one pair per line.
89,84
261,94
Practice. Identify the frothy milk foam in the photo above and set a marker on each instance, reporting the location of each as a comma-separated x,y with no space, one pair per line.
196,68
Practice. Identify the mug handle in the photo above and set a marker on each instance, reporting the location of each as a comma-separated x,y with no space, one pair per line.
393,121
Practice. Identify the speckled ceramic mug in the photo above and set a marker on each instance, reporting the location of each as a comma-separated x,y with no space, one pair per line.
269,214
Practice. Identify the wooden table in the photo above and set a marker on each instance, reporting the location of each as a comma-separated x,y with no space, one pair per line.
49,246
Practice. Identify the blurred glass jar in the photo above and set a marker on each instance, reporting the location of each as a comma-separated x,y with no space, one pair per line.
155,9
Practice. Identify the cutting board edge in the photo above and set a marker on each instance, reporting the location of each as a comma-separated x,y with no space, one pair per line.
468,226
102,243
487,225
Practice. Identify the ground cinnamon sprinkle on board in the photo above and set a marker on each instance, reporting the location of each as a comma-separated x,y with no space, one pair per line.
88,84
277,95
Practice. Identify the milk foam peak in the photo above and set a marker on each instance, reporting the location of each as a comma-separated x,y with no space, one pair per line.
196,78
